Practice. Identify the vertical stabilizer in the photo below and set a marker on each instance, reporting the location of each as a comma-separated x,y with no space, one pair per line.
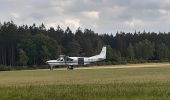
103,53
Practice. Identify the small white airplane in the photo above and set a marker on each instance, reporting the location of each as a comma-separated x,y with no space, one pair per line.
72,61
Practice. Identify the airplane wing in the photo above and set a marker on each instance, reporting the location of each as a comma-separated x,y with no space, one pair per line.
68,59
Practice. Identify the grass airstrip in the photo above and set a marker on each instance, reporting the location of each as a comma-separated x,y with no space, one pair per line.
118,82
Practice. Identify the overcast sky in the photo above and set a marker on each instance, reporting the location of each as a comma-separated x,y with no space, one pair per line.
102,16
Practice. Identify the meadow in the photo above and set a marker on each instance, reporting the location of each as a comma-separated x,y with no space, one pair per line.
148,83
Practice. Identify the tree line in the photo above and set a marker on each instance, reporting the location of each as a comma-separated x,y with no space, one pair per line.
33,45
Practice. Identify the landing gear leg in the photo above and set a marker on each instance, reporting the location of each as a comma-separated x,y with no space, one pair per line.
72,67
51,68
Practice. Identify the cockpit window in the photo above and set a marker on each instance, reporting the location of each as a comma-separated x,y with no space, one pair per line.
60,59
69,59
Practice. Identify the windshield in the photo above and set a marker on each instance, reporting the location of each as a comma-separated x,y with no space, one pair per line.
60,59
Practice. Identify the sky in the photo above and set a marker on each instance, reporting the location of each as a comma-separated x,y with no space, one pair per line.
102,16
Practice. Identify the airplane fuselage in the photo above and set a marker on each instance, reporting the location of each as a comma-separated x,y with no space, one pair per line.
75,61
72,61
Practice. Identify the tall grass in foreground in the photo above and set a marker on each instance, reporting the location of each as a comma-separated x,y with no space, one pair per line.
113,91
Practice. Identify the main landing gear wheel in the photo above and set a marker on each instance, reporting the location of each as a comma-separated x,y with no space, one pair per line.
70,68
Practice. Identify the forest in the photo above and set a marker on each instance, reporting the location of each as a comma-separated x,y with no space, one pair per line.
33,45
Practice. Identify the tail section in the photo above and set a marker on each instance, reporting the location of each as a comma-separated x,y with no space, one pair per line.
99,57
103,53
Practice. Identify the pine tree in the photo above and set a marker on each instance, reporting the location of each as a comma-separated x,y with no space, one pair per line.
130,52
23,58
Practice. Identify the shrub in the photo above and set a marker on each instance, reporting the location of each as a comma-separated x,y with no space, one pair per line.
5,68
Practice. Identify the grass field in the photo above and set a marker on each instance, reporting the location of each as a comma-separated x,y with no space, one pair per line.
150,83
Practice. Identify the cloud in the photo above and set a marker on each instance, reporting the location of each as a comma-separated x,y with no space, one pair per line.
103,16
91,14
134,22
163,12
15,15
72,22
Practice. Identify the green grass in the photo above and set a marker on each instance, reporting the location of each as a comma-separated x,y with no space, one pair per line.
96,84
122,91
